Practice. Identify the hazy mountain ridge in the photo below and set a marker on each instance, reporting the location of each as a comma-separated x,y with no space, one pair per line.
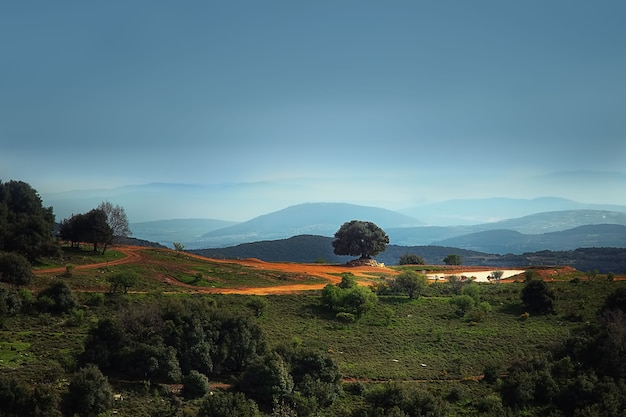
310,218
176,230
510,241
325,218
534,224
489,210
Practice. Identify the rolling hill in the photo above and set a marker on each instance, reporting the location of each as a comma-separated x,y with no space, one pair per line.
310,248
539,223
311,218
510,241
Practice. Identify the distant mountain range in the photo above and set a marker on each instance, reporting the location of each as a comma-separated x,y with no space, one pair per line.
553,230
489,210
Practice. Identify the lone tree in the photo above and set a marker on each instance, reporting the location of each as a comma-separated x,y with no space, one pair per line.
360,238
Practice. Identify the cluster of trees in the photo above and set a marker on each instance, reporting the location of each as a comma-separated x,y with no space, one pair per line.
26,230
165,342
99,226
172,342
25,225
586,376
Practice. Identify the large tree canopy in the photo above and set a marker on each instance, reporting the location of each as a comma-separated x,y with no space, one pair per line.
358,237
25,225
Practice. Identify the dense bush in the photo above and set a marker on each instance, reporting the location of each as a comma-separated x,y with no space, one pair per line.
354,300
89,393
411,259
15,269
195,385
538,297
57,298
228,404
19,399
164,342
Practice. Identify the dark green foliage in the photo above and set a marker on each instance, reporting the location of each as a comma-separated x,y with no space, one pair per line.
10,302
15,269
25,225
90,227
123,281
257,305
228,404
410,283
360,238
57,298
411,259
462,303
453,259
17,399
104,344
195,385
348,280
615,301
89,393
586,376
314,375
538,297
267,380
163,341
396,400
353,300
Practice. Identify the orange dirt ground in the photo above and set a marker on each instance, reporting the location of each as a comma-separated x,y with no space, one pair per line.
136,254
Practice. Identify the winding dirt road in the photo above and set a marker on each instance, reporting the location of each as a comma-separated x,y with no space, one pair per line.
138,255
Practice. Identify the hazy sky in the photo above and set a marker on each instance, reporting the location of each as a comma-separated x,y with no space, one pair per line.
388,103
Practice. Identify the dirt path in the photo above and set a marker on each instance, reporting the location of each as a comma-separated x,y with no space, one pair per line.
330,273
132,256
137,254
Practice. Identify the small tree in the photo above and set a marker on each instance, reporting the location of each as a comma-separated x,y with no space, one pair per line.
453,259
360,238
89,393
57,298
195,385
411,283
178,247
15,269
538,297
497,275
123,281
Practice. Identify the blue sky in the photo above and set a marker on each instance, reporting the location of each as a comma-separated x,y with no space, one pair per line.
390,103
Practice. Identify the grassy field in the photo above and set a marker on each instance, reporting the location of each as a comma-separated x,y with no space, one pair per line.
413,341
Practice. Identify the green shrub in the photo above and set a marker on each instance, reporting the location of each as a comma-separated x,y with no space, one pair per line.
57,298
345,317
195,385
463,303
